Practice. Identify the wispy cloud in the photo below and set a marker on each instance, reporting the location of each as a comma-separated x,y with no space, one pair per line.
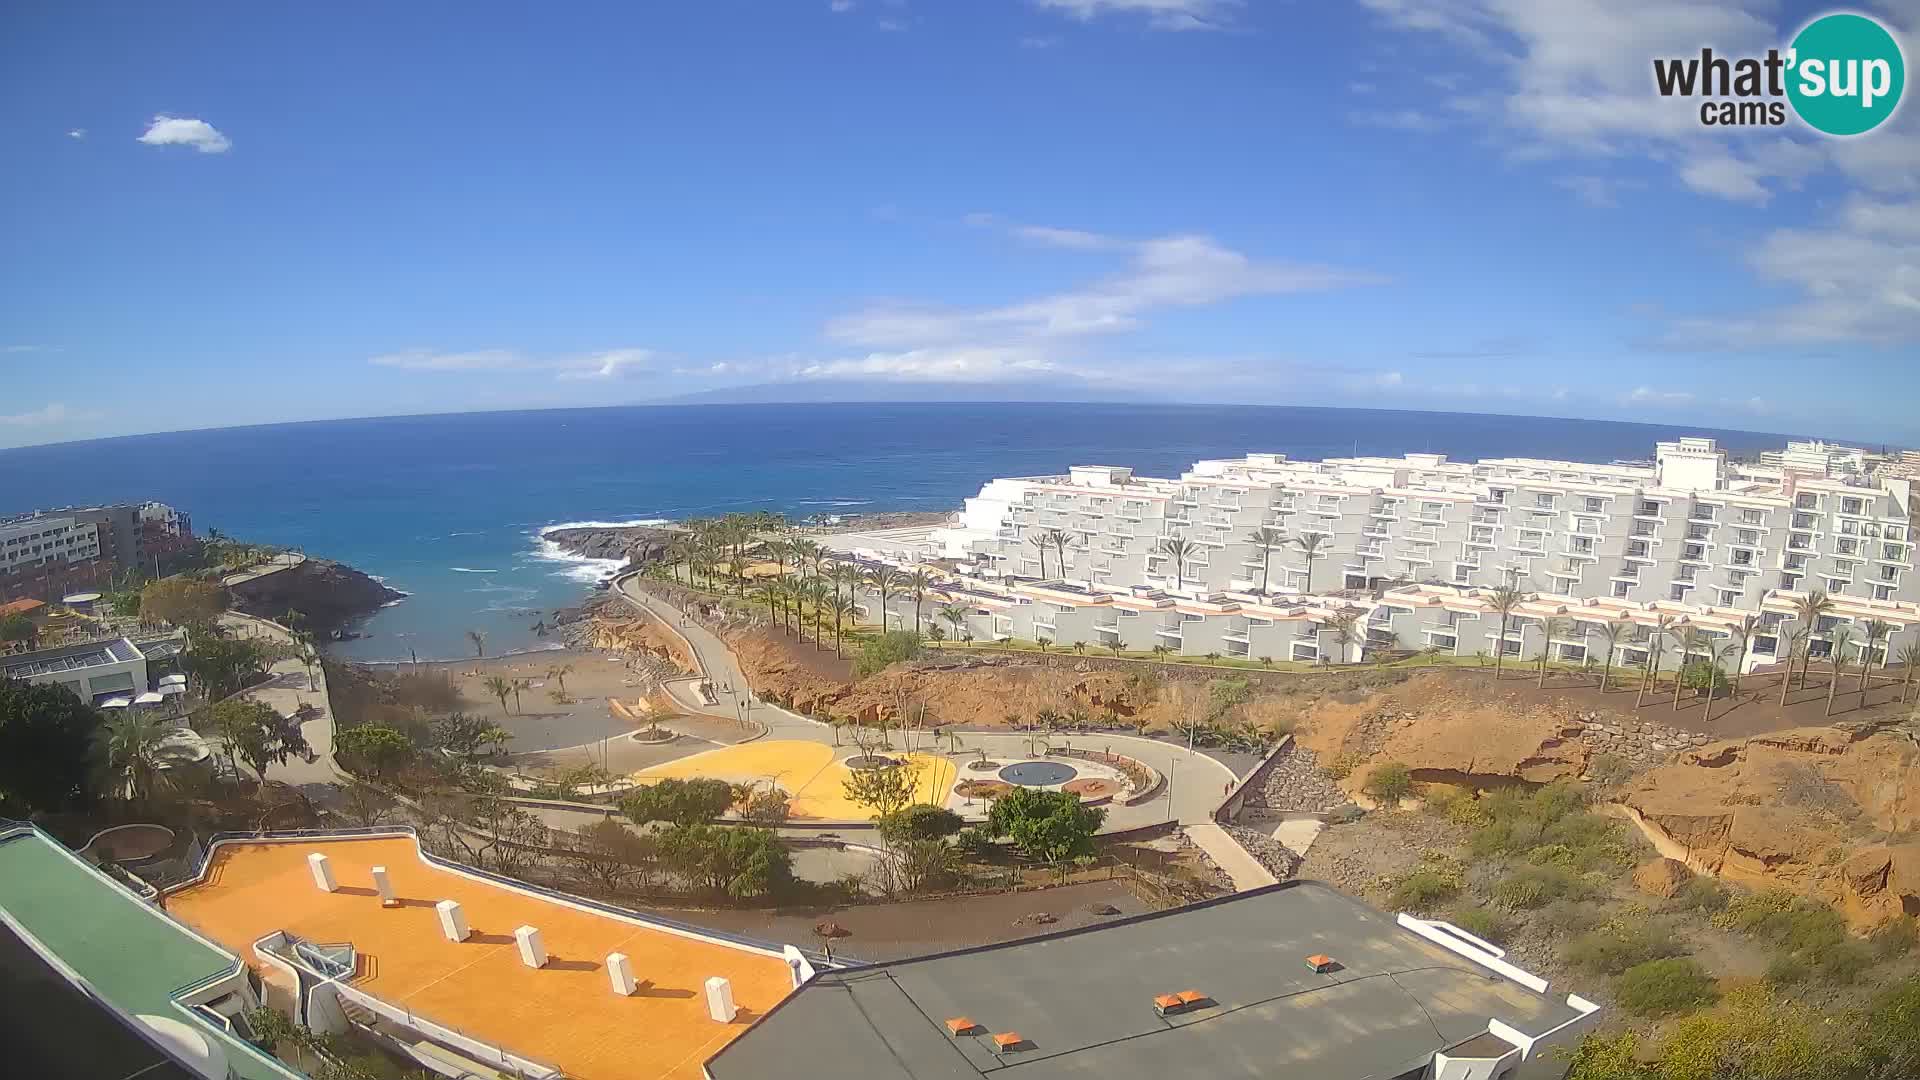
1160,14
12,350
77,133
1600,191
840,7
1039,41
54,414
1167,272
1647,395
181,131
607,364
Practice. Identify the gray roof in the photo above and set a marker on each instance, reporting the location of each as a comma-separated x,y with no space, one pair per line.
1083,1000
69,658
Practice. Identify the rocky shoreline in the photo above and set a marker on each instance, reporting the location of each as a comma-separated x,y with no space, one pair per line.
326,593
643,544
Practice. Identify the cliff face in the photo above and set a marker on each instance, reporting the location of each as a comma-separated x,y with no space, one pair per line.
639,544
327,593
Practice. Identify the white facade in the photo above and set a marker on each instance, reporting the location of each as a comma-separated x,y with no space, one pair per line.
38,539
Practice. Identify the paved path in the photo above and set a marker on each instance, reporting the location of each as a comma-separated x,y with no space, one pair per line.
1229,856
284,561
1299,834
286,691
1195,782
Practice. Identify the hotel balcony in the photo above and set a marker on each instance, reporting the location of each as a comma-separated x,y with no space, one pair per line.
1168,632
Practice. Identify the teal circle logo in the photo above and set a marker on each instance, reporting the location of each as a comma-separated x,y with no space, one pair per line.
1847,73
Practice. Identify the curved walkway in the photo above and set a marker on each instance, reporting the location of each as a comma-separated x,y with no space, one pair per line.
1196,782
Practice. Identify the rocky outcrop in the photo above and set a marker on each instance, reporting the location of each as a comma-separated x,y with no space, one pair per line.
638,544
327,594
1792,809
1663,878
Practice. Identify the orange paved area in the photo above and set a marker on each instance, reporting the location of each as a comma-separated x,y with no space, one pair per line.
564,1014
810,773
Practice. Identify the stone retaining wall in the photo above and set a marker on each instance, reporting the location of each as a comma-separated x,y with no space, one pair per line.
1643,744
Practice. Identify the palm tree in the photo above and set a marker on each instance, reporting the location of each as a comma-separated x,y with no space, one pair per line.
1909,659
1309,545
917,584
1842,642
1742,635
1550,628
1714,657
955,614
1346,627
816,591
1505,600
1656,647
559,675
769,591
1797,645
479,643
1807,612
1041,542
1875,629
680,550
884,579
1612,630
1061,539
1266,539
127,749
840,606
1179,550
848,574
500,688
1689,638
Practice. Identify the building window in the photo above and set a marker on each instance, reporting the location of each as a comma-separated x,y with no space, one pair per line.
1852,506
1729,597
1750,516
1678,592
1807,502
1620,589
1648,509
1837,586
1595,505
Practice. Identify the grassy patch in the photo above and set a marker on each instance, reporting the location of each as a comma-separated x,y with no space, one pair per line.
1611,950
1664,987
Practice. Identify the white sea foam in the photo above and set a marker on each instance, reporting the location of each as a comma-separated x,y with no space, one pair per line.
581,568
470,570
634,524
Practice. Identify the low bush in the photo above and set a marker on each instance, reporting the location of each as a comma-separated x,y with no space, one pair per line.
1702,894
1570,917
1664,987
1482,922
1533,887
1425,887
1895,937
1612,950
1342,766
1788,970
1389,784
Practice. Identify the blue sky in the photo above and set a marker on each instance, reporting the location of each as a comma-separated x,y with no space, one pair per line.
235,213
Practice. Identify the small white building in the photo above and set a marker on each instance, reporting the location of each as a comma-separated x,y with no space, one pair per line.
95,671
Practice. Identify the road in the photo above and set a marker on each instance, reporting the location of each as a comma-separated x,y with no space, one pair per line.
1196,782
286,691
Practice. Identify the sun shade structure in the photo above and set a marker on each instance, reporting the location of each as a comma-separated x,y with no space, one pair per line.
1212,990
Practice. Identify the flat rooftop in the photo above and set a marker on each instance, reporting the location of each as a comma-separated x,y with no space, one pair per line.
1084,1002
563,1015
128,951
70,658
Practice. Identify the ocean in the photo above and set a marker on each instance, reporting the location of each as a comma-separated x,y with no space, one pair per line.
449,509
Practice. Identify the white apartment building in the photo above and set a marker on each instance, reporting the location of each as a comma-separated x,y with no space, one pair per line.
1687,533
37,539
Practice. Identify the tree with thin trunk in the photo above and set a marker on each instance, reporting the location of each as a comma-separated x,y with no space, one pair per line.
1062,539
1612,630
1807,611
1266,538
518,686
1742,635
817,592
1040,542
769,591
917,584
840,606
1842,642
500,688
1179,549
1909,659
1656,646
1346,626
1797,644
1309,545
1689,638
479,643
128,752
848,574
1874,629
884,580
1505,600
956,616
1550,628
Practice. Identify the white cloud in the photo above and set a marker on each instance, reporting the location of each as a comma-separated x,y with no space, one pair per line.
1039,41
51,415
177,131
607,364
1165,272
973,364
1726,176
840,7
7,350
77,133
1076,239
1161,14
890,26
1647,395
1389,379
1396,119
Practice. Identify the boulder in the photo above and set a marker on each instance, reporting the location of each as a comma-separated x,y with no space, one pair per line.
1663,878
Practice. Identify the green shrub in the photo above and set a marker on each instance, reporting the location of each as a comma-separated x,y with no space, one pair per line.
1482,922
1696,676
1664,987
1702,894
1841,963
1569,917
1342,766
1786,970
1533,887
1389,784
1424,889
889,648
1612,950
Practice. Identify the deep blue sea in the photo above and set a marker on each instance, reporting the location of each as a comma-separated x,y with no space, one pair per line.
449,508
